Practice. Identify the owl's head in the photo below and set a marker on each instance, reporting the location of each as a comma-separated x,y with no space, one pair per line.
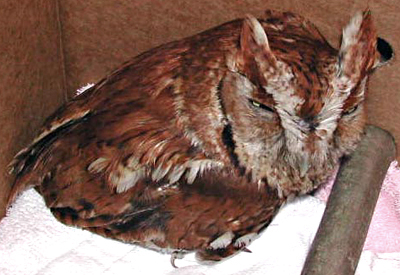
294,103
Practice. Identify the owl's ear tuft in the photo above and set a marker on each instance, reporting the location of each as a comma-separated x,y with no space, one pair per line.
254,44
358,53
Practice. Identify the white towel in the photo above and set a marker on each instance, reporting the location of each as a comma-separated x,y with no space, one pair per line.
33,242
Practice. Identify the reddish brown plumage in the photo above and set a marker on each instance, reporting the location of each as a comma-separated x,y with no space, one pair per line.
195,144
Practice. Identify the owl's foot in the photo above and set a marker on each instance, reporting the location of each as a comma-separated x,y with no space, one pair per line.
176,255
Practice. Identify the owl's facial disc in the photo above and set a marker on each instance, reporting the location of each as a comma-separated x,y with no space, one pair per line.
295,109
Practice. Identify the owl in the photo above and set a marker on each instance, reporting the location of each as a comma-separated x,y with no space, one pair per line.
195,144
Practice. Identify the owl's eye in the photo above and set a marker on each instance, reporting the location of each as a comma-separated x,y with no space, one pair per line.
351,110
260,105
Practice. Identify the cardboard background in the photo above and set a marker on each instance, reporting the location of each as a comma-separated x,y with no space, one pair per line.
54,47
31,76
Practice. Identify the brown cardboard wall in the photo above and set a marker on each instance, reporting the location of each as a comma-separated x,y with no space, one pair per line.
31,78
98,35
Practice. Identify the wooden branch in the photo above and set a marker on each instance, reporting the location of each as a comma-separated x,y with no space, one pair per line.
340,238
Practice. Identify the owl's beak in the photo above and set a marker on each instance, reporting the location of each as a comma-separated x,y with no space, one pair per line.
304,165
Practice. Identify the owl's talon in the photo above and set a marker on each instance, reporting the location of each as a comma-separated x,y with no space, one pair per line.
245,249
176,255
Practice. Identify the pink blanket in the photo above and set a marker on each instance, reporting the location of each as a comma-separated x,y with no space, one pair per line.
384,231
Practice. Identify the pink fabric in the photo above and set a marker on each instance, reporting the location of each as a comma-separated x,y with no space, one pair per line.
384,231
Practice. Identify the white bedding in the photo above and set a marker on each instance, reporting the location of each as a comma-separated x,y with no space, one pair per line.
33,242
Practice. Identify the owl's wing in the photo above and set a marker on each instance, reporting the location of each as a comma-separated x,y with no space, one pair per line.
109,163
122,140
112,150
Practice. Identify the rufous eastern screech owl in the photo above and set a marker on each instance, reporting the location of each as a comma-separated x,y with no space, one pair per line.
195,144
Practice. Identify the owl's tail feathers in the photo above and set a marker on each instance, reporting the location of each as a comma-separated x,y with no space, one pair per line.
25,176
28,164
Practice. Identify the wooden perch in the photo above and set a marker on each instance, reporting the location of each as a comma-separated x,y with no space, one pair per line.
340,238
